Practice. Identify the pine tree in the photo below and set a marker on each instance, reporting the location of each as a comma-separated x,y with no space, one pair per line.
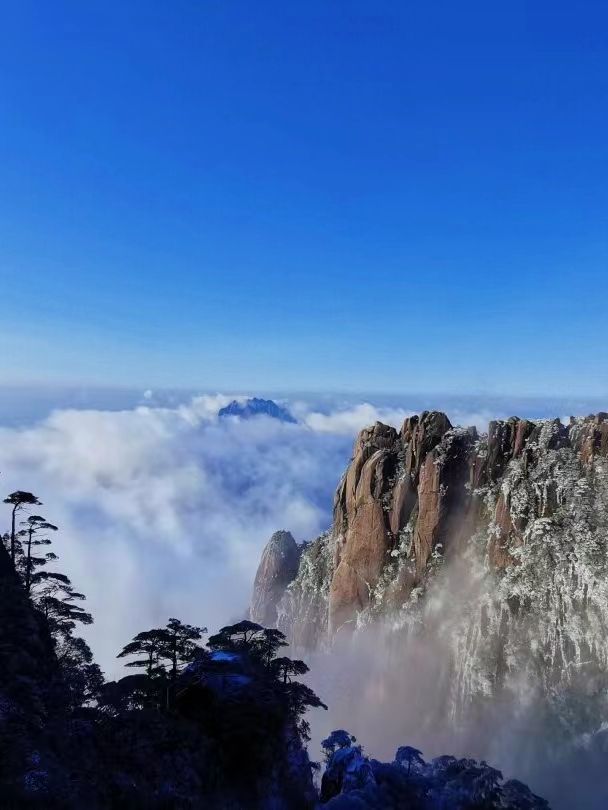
179,645
81,674
34,533
51,591
242,636
174,644
286,668
54,595
148,647
268,643
19,500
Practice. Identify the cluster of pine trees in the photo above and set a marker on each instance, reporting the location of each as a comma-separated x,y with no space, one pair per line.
160,653
52,593
219,725
173,732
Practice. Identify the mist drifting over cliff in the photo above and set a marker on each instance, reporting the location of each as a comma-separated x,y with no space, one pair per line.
391,689
461,593
180,504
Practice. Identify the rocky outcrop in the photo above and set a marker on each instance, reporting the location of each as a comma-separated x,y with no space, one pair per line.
474,568
411,498
444,499
363,537
254,407
303,612
277,568
417,479
351,779
590,436
391,477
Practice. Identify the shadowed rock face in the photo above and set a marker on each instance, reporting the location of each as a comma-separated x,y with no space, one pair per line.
278,567
251,408
590,438
362,545
418,475
473,571
413,497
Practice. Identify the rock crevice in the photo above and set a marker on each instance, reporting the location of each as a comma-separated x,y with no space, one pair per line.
413,497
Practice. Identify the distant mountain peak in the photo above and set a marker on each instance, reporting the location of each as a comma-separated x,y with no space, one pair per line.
255,406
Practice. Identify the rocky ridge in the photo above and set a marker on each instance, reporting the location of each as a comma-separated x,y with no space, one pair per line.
253,407
522,509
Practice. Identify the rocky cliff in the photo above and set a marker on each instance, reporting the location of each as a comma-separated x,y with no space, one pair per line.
520,513
278,568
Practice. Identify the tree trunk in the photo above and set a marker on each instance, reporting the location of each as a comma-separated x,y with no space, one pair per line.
28,565
174,658
13,534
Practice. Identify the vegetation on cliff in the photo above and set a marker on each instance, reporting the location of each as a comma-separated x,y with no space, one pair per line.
215,725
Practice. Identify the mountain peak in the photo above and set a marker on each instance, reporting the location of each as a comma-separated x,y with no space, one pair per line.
278,567
254,406
412,498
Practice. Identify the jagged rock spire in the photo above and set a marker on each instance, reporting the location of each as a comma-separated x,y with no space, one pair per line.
424,490
278,567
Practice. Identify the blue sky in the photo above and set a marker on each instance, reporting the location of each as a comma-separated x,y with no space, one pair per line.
305,195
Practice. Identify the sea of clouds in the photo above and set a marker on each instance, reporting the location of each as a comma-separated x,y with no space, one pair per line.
164,511
164,508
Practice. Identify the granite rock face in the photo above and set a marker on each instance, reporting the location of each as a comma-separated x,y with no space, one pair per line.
278,567
476,564
417,478
412,499
360,520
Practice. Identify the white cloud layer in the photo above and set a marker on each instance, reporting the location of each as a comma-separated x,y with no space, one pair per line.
348,421
164,511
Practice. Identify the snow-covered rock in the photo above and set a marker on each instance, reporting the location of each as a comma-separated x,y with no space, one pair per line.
495,544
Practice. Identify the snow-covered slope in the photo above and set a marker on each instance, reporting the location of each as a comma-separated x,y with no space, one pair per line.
495,545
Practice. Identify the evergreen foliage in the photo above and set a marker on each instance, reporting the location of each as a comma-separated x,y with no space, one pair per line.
219,726
18,500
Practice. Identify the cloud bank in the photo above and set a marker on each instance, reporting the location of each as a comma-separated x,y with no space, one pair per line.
164,510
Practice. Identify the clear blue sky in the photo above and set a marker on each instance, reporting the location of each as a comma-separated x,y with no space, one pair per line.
305,195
